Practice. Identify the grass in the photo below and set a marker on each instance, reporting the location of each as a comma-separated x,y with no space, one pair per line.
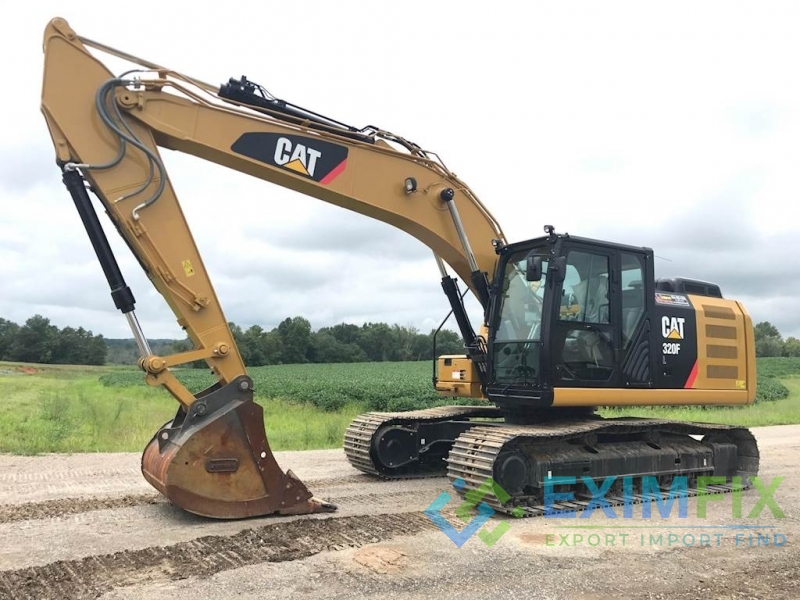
57,408
785,411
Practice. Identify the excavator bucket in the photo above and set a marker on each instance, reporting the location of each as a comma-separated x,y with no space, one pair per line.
213,460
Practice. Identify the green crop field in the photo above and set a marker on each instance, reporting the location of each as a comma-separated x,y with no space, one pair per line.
379,386
54,408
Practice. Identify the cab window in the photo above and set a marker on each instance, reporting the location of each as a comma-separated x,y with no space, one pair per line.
632,277
585,290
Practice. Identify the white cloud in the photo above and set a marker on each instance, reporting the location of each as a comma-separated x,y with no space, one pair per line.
675,127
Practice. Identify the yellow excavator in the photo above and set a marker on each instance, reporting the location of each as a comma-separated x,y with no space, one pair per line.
569,323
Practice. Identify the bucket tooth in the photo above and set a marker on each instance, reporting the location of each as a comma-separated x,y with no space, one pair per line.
213,460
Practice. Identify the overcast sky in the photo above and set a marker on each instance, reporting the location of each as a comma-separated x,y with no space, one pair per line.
674,126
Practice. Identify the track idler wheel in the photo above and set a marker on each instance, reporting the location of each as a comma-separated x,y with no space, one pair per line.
214,460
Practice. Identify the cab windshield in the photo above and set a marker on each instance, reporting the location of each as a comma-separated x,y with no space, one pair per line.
517,341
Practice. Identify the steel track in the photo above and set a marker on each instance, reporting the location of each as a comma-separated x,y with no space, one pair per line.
475,451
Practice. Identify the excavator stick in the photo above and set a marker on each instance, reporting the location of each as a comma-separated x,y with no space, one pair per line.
213,460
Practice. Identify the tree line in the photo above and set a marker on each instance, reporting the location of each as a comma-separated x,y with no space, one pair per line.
38,341
292,341
770,342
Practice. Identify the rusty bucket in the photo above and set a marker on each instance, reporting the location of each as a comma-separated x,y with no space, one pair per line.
213,460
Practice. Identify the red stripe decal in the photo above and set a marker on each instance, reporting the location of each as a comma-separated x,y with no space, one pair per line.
692,376
335,173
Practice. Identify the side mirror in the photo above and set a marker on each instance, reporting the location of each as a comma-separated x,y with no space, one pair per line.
558,267
533,270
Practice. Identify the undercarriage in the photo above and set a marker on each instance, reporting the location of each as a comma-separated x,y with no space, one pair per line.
558,463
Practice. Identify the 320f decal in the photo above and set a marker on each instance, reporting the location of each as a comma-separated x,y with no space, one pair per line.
311,157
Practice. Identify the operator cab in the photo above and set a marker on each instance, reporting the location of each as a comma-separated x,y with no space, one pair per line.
568,312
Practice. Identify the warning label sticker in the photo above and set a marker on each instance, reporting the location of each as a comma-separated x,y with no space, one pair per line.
672,299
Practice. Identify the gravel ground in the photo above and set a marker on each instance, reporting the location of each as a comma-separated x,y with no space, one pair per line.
89,526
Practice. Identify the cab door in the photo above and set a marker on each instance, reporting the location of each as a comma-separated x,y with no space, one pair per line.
585,338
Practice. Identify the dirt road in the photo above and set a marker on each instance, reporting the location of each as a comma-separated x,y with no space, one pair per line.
89,526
